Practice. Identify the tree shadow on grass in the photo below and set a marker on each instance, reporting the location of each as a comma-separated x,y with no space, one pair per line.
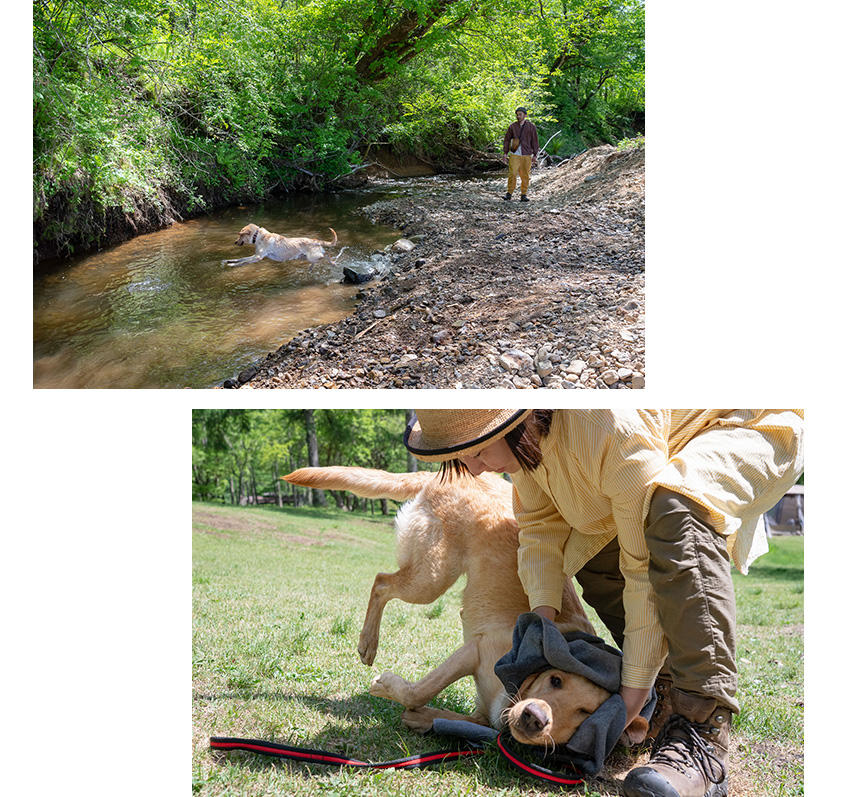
362,727
318,513
776,573
374,733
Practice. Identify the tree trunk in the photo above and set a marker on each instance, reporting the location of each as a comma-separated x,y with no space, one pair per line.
411,461
317,496
294,490
399,43
277,485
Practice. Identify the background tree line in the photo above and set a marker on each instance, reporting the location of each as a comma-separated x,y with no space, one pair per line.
239,455
148,109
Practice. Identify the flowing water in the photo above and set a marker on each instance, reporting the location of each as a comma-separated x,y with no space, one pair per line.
162,310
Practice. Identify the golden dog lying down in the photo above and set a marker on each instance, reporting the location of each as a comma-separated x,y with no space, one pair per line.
277,247
466,526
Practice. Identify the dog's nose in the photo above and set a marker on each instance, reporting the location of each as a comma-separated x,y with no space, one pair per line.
533,719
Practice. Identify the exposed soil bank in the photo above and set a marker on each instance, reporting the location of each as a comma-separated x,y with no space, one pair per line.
495,294
95,228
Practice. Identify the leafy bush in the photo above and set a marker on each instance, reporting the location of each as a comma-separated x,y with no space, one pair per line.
145,109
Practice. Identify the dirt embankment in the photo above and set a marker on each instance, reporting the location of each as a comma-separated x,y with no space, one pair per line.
548,293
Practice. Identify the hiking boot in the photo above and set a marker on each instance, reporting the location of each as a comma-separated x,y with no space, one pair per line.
524,198
690,756
663,709
507,197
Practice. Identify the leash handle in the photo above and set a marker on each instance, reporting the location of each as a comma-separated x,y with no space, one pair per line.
311,756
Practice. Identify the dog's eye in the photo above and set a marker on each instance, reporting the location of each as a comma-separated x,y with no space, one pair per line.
555,682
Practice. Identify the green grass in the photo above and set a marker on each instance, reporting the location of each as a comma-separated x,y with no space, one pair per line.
278,602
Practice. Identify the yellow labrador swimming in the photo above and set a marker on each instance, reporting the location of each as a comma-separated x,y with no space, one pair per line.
444,530
277,247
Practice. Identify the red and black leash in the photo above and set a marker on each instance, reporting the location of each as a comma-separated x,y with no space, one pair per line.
322,757
537,771
311,756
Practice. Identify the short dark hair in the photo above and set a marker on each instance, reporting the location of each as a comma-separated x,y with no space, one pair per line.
524,110
523,440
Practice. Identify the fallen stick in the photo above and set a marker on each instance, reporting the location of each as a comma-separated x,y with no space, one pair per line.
367,329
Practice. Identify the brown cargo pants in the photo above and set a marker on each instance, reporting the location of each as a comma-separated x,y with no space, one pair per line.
691,575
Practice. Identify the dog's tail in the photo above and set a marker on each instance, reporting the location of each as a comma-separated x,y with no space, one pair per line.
333,241
364,482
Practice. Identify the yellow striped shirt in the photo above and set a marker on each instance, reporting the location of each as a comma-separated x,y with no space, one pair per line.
599,471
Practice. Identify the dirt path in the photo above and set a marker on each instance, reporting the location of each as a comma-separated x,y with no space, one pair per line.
548,293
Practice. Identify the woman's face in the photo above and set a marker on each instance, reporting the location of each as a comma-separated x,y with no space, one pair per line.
496,457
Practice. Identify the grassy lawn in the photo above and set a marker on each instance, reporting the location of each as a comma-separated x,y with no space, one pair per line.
279,599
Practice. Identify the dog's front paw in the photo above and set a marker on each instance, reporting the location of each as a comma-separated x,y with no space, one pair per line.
418,719
388,685
367,646
634,733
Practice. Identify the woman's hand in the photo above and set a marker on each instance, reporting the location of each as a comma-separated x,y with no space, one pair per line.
547,612
634,699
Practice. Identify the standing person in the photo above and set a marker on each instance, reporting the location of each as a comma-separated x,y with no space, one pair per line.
521,149
647,509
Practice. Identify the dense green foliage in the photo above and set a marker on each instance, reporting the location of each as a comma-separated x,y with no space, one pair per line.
239,455
145,109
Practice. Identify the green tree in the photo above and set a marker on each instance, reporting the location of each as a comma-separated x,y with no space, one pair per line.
238,456
149,110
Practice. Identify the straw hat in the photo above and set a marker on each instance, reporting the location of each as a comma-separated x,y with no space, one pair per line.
439,435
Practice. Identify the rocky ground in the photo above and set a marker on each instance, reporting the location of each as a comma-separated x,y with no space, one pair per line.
494,294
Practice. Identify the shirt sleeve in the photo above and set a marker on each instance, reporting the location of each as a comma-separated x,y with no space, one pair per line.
634,455
543,534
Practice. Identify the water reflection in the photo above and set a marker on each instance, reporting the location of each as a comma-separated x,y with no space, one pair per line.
162,311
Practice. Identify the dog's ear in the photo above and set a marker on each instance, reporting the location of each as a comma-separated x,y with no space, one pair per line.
635,732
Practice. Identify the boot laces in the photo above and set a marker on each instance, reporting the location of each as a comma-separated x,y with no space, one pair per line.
678,749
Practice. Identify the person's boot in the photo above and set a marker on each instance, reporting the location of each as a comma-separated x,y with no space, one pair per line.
690,756
523,198
663,709
507,197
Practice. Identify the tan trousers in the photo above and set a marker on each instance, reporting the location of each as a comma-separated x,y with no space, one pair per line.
519,165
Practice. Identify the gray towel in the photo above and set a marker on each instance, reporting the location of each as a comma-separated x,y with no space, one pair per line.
538,645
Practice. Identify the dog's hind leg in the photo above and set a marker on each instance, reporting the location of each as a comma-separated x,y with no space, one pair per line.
421,719
430,562
458,665
412,584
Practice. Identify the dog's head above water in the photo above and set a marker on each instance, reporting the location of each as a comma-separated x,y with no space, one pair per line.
247,235
551,705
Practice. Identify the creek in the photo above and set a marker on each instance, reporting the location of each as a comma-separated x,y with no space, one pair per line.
162,311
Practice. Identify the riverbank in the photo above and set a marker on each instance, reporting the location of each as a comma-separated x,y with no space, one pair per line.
495,294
